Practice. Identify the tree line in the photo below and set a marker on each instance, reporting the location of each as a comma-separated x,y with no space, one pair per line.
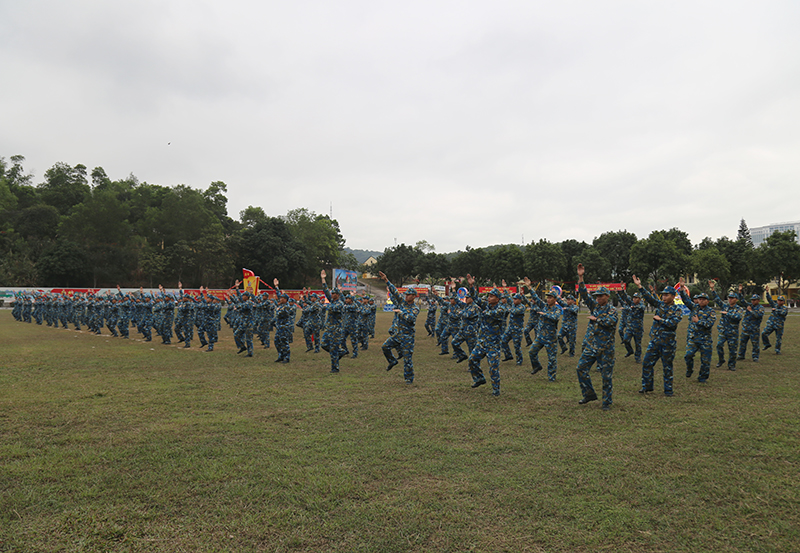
82,229
661,258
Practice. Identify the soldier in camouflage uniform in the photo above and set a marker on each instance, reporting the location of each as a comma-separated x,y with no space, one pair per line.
492,321
728,326
332,335
284,323
311,322
351,310
452,320
569,325
634,327
468,329
662,337
403,339
516,313
372,311
598,343
549,315
244,322
751,328
775,322
430,320
702,318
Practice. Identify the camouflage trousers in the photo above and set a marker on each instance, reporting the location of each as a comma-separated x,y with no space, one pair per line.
512,333
605,363
702,344
658,349
489,348
404,343
552,363
769,329
753,335
732,338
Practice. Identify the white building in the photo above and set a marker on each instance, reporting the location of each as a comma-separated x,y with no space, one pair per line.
760,234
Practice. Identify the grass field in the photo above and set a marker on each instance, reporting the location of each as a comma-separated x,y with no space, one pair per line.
112,445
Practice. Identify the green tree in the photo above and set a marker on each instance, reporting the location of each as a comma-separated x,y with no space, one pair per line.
709,264
779,260
616,248
504,263
64,264
572,250
398,263
544,261
321,240
660,259
270,250
597,267
64,186
470,261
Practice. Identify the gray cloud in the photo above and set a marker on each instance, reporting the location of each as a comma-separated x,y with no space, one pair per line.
461,123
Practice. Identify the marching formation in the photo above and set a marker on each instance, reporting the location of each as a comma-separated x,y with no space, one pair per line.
475,326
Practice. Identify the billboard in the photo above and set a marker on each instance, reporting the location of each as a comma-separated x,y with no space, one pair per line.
345,280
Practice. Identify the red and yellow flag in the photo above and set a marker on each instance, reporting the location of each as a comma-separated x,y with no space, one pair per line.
250,282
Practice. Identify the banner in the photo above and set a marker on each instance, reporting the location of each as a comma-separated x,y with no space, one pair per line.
345,280
250,282
503,289
612,286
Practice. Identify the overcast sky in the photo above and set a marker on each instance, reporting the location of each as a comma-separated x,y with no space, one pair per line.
460,123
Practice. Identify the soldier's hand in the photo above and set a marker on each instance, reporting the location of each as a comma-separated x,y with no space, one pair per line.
580,269
637,281
275,282
323,274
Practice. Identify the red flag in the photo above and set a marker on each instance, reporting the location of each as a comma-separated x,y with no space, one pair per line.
248,273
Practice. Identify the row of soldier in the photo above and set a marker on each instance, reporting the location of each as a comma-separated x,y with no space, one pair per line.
183,313
486,324
461,322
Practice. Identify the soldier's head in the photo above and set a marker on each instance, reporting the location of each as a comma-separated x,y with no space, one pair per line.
733,298
453,299
517,299
283,299
550,298
601,296
668,295
781,300
637,298
335,294
701,300
348,299
570,299
494,297
411,295
755,299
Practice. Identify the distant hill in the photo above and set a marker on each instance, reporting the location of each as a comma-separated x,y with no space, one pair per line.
363,255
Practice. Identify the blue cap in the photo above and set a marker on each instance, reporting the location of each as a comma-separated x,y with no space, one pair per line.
755,297
602,291
411,291
495,292
668,290
701,296
733,295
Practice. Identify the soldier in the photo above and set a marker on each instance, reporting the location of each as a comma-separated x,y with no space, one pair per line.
549,315
751,328
310,325
430,320
332,336
662,337
403,339
775,322
351,310
634,327
468,329
372,310
598,343
516,311
452,319
728,326
569,325
492,322
703,318
243,330
284,322
364,314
